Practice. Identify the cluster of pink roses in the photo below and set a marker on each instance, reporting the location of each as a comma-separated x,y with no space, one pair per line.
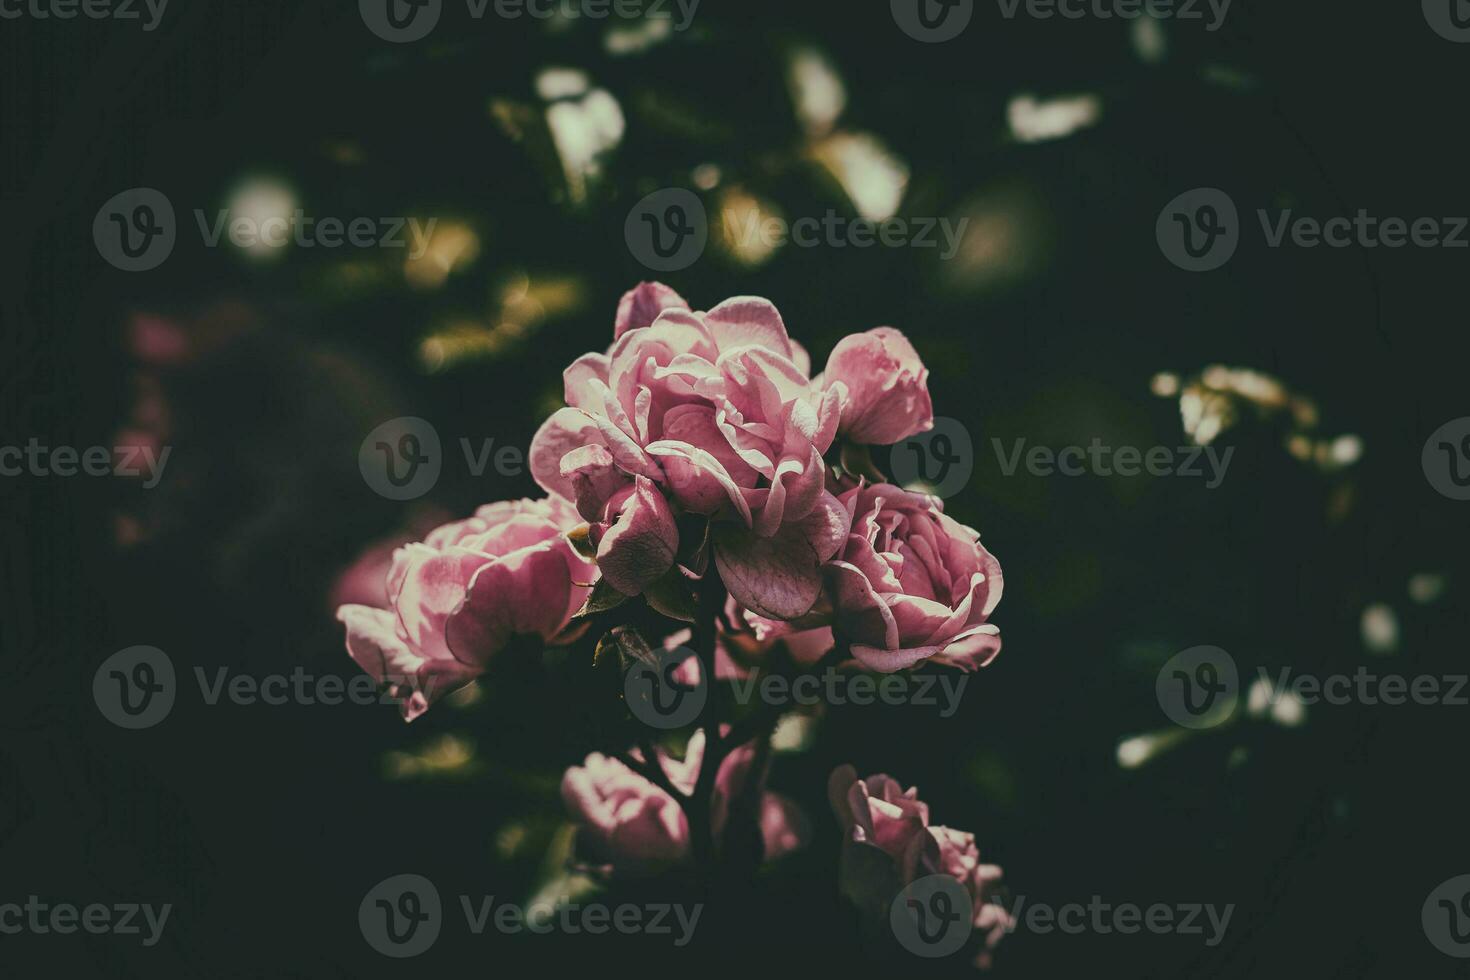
700,449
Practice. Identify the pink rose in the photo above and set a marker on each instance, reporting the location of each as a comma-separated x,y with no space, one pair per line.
457,598
887,389
716,411
888,844
633,827
911,584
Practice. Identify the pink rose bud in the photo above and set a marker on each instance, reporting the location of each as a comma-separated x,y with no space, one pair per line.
911,585
457,598
887,387
888,843
632,828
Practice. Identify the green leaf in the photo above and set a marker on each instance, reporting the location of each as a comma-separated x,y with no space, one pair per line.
671,596
601,599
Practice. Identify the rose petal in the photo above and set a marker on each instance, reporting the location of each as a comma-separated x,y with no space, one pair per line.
778,576
640,546
887,387
594,479
745,321
521,594
375,645
567,429
861,615
642,304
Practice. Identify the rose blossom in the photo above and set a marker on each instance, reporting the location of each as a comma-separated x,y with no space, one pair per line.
717,412
635,828
888,844
457,598
911,584
886,397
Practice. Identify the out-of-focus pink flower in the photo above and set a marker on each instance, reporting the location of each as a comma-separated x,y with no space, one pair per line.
910,584
887,389
727,667
888,843
364,582
633,828
717,411
457,598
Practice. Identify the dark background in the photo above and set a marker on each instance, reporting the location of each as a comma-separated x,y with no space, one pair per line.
266,825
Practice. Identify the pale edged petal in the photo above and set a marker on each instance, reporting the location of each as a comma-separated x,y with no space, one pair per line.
567,429
642,304
744,321
861,615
